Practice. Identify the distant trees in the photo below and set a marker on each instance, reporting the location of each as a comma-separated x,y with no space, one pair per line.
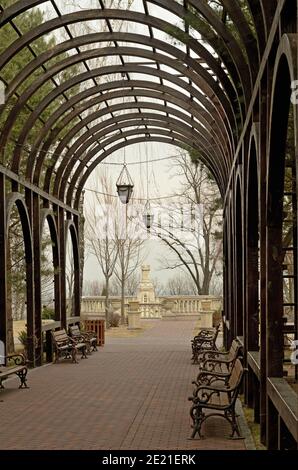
92,288
129,259
194,247
111,240
180,285
99,234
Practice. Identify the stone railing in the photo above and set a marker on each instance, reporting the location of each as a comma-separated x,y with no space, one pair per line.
151,310
175,306
192,304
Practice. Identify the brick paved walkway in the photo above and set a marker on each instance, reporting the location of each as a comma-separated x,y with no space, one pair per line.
131,394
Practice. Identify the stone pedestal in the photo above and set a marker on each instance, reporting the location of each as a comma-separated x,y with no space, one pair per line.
168,307
205,319
134,316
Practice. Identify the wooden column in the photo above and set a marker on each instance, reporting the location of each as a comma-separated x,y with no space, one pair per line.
263,257
37,277
272,426
238,264
274,303
28,242
3,267
231,286
57,273
61,233
77,271
225,279
252,255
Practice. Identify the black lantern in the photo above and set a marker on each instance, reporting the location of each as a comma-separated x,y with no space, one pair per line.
148,217
124,186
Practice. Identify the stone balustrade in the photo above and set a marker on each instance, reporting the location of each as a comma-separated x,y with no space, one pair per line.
183,306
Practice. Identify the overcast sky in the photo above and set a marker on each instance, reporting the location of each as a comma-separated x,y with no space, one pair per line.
162,182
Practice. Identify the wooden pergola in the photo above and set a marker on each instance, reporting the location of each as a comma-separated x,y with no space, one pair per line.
185,75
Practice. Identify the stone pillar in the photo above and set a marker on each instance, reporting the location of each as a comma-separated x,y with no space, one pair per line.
168,306
134,316
205,319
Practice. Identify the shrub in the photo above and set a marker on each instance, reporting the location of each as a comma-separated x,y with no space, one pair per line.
22,337
48,313
114,320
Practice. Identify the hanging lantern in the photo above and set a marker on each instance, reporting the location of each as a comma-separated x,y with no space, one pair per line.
148,217
124,186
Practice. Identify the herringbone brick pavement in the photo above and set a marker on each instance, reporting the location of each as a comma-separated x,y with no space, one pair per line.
131,394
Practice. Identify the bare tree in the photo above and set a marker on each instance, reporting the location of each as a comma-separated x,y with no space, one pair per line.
130,256
132,283
159,288
180,285
115,287
93,288
100,233
196,246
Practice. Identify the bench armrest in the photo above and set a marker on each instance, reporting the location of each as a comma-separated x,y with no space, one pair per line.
204,393
210,364
206,378
204,353
19,359
212,374
202,337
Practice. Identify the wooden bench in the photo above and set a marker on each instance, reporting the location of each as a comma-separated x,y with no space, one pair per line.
206,339
219,368
66,347
18,367
220,361
88,337
218,400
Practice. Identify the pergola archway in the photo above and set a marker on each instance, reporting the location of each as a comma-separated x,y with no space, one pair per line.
180,73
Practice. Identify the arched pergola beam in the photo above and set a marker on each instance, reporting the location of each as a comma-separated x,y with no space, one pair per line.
129,106
123,37
227,40
16,198
209,150
104,129
71,61
119,107
285,72
229,43
176,126
65,122
80,78
157,23
48,215
77,110
259,23
249,41
288,50
78,181
268,9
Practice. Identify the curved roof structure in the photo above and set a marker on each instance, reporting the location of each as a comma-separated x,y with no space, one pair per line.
179,72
